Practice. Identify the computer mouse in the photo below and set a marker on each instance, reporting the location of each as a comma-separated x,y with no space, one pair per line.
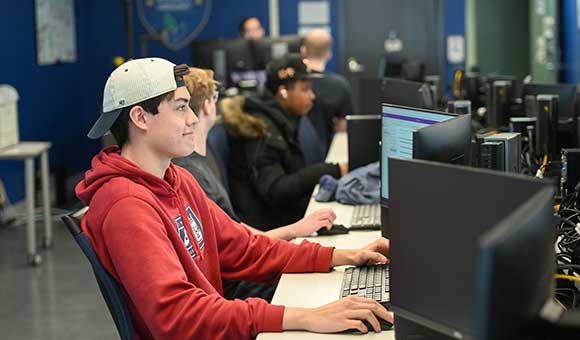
385,326
337,229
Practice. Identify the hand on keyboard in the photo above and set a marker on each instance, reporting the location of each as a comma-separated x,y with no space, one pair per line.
374,253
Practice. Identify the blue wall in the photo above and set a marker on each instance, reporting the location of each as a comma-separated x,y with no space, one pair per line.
570,36
59,103
453,24
53,99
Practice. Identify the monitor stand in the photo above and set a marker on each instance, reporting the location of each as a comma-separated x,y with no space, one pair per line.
409,330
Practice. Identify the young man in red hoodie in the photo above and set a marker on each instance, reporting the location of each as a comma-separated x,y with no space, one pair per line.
169,246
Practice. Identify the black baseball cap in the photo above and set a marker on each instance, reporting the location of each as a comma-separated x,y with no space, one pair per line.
286,69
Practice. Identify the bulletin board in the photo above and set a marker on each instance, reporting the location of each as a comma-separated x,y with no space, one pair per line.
55,32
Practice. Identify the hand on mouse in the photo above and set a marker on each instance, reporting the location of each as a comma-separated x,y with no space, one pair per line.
322,218
338,316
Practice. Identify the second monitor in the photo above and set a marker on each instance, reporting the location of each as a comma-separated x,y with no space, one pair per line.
420,133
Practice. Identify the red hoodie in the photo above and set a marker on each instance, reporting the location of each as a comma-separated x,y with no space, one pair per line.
171,267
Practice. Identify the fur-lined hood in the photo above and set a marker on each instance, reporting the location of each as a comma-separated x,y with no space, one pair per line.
255,117
238,122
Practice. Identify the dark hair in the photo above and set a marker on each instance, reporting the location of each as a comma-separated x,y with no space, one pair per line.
242,26
120,129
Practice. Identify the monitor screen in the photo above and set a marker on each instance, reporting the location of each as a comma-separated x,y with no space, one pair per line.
398,124
407,93
447,142
516,270
437,213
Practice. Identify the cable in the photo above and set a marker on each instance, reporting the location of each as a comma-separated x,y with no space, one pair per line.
457,78
567,277
565,266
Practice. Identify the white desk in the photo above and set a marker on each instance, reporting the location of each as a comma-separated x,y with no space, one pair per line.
315,290
27,151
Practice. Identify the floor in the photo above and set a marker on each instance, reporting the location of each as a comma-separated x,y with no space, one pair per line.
57,300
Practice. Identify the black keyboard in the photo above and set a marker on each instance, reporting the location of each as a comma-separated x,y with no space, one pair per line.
366,217
367,281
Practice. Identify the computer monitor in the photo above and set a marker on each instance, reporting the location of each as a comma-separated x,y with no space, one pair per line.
407,93
566,92
210,54
437,214
398,125
516,270
367,95
265,50
231,59
447,142
364,135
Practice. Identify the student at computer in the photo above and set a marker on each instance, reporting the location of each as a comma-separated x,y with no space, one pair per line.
203,90
333,93
251,28
169,246
272,184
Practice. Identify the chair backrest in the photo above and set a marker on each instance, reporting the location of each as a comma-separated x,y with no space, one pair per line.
219,146
313,148
109,287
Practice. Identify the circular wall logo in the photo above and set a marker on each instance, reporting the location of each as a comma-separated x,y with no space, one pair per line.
175,22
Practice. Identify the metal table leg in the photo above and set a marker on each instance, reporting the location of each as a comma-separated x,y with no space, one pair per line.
47,239
33,257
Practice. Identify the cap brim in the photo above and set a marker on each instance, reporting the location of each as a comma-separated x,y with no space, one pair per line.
103,124
309,75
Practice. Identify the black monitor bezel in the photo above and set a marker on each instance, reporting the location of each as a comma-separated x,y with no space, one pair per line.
385,201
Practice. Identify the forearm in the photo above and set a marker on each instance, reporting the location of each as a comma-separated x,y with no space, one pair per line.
342,257
295,318
282,233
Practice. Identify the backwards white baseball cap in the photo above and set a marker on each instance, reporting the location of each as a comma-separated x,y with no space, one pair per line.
133,82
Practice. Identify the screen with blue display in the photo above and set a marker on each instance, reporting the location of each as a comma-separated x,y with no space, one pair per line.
398,125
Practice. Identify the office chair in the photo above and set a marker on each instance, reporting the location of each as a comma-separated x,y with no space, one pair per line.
109,287
313,149
219,150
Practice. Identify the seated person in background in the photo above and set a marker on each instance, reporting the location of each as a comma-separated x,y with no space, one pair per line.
169,246
251,28
203,90
333,93
271,185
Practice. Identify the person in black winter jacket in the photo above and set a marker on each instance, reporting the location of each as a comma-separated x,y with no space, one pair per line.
270,183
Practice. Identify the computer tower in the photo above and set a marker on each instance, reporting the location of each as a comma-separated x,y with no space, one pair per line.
512,149
547,126
520,124
459,106
530,106
570,170
499,95
492,156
